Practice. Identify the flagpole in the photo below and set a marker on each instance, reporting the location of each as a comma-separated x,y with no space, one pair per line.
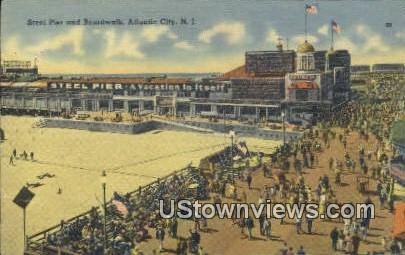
306,30
331,30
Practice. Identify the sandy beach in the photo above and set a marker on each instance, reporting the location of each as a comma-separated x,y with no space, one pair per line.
77,158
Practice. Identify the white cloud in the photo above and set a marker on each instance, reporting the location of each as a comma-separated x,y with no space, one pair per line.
153,33
344,42
323,30
373,42
12,49
184,45
73,38
273,36
234,32
124,46
361,29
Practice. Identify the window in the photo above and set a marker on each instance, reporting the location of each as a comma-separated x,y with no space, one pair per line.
301,95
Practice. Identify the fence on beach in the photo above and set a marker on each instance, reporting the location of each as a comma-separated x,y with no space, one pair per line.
37,243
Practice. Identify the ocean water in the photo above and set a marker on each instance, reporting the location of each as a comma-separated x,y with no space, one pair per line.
177,75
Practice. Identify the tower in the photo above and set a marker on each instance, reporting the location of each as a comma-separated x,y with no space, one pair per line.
305,58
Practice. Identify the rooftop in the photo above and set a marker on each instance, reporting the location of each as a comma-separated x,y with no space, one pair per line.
239,72
134,80
306,47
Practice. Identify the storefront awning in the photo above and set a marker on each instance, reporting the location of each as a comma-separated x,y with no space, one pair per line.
303,85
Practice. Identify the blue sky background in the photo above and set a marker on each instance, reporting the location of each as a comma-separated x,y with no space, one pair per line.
224,30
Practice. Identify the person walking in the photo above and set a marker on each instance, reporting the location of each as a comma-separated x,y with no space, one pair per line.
341,240
356,244
174,226
290,251
267,228
298,225
363,229
195,241
262,219
197,225
309,225
249,225
181,247
265,171
394,248
382,198
249,181
349,244
160,235
301,251
334,235
284,249
11,162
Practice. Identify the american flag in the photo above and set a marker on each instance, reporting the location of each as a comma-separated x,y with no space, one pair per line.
121,207
336,27
311,9
243,149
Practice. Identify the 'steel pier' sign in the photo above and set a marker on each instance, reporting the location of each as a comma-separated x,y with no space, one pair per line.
137,87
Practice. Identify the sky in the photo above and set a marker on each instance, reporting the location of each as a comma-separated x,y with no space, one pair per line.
215,38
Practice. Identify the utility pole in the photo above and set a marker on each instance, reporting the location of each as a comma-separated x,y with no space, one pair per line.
103,185
283,120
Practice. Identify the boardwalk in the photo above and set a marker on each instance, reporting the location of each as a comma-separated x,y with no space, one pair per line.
225,238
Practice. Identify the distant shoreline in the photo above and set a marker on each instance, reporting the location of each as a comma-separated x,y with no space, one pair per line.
191,75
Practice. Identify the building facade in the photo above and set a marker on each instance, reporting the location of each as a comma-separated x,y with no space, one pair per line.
268,82
320,81
270,63
18,70
389,68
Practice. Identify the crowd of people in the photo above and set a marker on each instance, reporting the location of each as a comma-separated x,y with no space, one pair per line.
130,218
24,155
365,116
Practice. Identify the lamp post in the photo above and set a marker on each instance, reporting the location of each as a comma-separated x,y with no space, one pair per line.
24,227
232,135
283,119
22,199
103,180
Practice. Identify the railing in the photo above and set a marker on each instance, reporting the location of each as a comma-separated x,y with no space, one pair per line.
38,237
37,242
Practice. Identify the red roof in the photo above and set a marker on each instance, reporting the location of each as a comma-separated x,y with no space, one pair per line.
239,72
398,227
303,85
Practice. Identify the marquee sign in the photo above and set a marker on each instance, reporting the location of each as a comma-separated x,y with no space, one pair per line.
138,87
308,77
